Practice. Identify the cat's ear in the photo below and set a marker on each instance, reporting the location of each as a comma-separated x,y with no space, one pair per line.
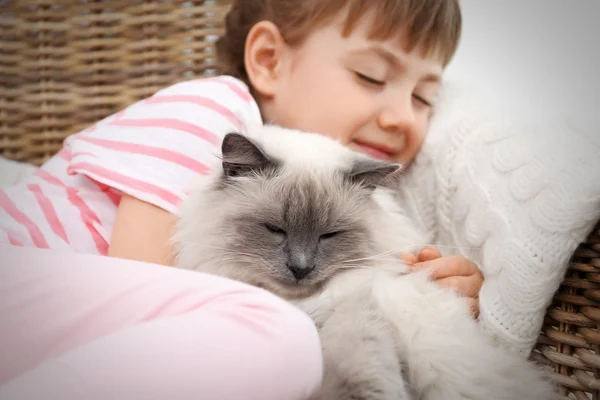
371,173
241,156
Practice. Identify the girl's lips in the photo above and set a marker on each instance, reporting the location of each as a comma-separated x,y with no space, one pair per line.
375,152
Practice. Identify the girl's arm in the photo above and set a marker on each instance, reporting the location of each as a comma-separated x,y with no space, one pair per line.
142,232
153,149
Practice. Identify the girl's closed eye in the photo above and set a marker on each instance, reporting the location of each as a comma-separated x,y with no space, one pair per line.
422,100
369,79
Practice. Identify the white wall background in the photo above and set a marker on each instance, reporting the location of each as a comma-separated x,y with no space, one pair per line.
541,56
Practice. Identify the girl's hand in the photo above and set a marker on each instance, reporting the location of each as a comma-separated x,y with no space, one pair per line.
455,272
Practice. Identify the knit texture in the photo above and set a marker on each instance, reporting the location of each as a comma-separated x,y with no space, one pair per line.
513,196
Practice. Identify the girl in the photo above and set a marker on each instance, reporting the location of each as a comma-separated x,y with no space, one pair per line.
366,73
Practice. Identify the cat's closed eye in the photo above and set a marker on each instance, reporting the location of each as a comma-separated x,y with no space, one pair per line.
329,235
274,229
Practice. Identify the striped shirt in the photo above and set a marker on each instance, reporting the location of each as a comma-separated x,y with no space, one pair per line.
152,151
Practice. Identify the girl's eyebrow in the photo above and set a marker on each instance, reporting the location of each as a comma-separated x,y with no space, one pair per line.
395,61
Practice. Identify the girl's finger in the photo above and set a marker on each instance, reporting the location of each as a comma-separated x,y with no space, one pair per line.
429,253
445,267
465,286
408,258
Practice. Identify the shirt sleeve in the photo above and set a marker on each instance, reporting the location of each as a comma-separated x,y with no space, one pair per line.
155,148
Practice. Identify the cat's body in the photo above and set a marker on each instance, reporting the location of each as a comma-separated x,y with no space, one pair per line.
308,219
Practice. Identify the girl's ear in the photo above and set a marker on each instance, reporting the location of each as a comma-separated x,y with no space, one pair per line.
264,57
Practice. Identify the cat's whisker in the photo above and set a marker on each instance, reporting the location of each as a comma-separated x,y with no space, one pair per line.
236,253
201,245
196,244
444,246
254,260
377,257
238,258
351,266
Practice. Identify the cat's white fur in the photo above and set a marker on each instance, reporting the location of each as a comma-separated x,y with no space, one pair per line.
446,355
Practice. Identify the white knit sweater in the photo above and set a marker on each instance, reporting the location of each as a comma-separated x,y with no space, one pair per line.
515,197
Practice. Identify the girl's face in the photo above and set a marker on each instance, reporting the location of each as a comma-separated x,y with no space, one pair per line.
373,96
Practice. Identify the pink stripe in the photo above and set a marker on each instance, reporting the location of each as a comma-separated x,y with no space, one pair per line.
244,95
113,197
127,182
71,193
101,244
49,212
170,123
163,154
65,154
87,214
107,190
84,153
241,93
201,101
84,211
34,231
80,204
45,175
12,240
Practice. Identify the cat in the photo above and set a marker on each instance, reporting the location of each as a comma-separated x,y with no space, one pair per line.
316,223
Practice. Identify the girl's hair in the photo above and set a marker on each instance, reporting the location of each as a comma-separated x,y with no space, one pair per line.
434,24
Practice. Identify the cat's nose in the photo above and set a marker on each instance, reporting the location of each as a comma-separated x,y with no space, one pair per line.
300,271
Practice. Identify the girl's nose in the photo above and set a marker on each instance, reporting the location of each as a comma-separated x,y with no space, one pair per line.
397,116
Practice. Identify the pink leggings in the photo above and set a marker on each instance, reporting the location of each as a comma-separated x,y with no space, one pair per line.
76,326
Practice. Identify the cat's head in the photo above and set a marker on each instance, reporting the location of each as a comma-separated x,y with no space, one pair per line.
286,211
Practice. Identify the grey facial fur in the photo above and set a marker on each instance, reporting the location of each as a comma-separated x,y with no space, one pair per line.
294,233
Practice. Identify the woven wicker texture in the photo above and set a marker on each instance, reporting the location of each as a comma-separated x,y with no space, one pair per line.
64,64
570,341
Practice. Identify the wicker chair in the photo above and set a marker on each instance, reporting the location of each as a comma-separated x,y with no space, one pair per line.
64,64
